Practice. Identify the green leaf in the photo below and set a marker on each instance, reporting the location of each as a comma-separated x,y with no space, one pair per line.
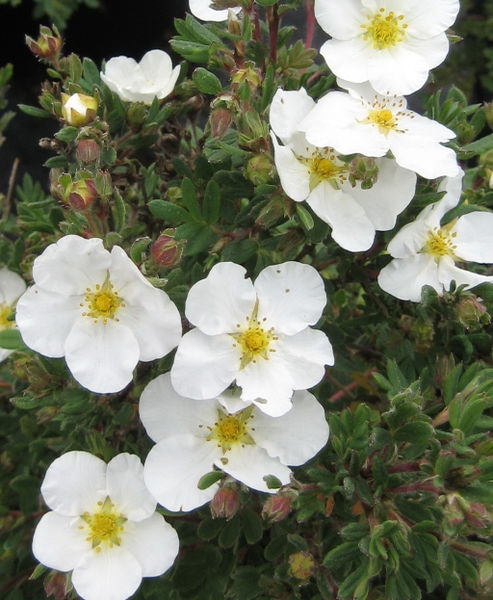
67,134
34,111
212,203
209,479
192,51
245,586
189,199
138,248
479,146
304,216
252,526
210,529
171,213
230,534
272,482
341,555
90,72
415,433
56,162
118,211
206,82
11,339
239,251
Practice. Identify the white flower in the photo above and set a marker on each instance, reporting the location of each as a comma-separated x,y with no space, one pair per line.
425,252
79,109
96,309
103,526
153,77
318,176
257,335
390,43
192,437
203,10
11,287
364,122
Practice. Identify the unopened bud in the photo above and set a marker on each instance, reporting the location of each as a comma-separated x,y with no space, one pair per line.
79,109
276,508
57,585
87,151
48,45
82,194
104,184
225,503
166,250
137,113
260,169
249,74
477,516
220,121
471,312
301,565
363,170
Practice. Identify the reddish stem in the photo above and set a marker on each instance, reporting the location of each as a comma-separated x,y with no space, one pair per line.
310,23
349,387
406,467
419,486
257,34
273,19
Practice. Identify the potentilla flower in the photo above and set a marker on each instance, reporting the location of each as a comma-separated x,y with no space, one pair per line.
153,77
97,309
79,109
103,526
203,10
256,335
367,123
425,252
319,176
194,437
11,287
393,44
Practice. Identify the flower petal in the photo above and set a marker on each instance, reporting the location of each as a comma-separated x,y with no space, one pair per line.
349,59
154,543
71,265
405,277
287,110
474,237
294,175
223,299
291,296
448,272
426,19
250,464
296,436
101,356
305,356
126,487
173,468
389,196
203,11
112,574
204,365
58,543
11,286
164,413
351,228
423,155
45,320
413,236
341,20
74,483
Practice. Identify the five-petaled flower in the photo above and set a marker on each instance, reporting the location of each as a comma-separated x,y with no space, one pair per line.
425,252
153,77
103,526
192,437
11,287
364,122
203,10
97,309
319,176
256,335
393,44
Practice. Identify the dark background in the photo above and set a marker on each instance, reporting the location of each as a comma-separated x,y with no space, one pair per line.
113,30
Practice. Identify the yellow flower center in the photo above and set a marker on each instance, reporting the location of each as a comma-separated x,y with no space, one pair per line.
323,165
384,119
254,341
229,430
102,302
385,30
104,526
5,313
440,242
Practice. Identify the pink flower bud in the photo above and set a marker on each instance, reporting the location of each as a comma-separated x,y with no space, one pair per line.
48,44
225,503
88,151
276,508
166,250
82,194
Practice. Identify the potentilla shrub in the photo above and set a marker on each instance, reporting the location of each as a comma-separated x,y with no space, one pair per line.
245,337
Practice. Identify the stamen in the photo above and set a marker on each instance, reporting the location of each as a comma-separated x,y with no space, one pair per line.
385,30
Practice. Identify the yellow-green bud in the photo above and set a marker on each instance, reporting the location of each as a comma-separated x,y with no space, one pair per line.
78,109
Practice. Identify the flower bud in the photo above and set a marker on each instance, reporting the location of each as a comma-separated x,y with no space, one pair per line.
220,121
57,585
225,503
79,109
471,312
137,113
301,565
276,508
48,45
166,250
87,151
82,194
249,74
260,169
478,516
